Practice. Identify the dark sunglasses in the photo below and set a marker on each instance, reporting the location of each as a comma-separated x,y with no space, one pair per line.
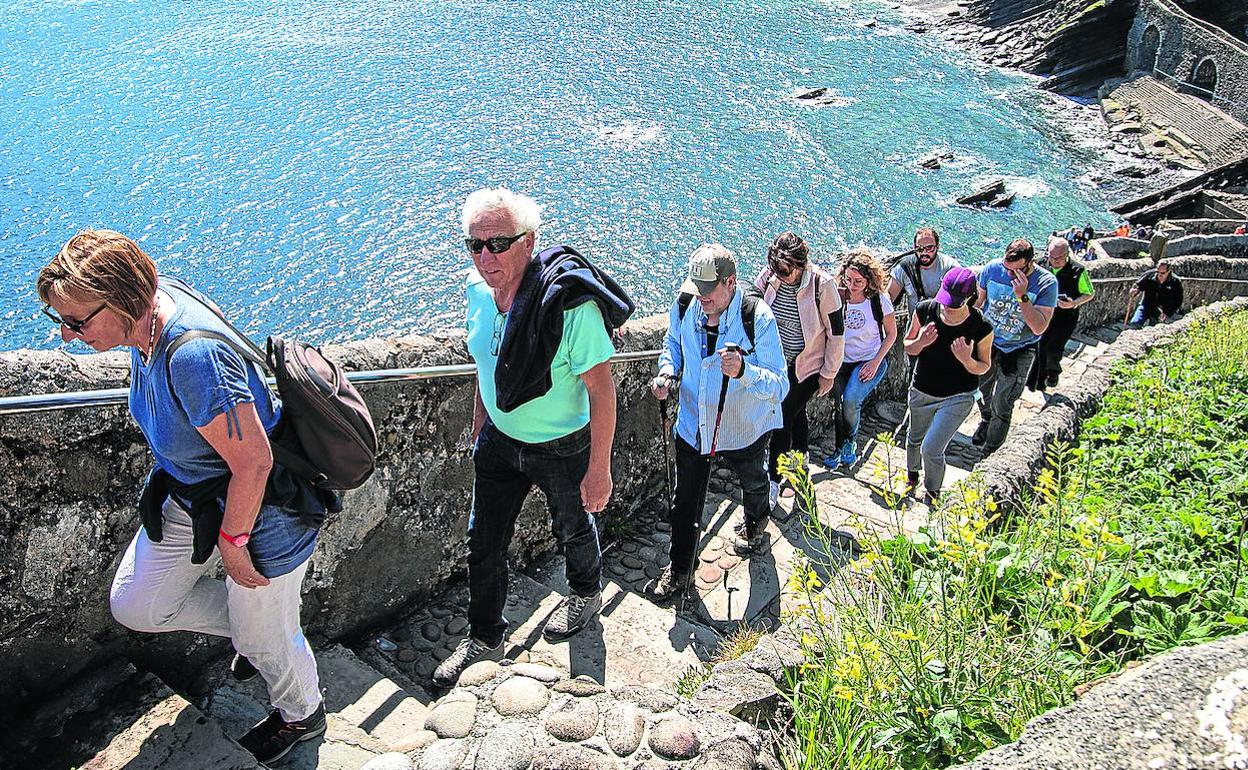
1015,258
497,245
73,326
925,249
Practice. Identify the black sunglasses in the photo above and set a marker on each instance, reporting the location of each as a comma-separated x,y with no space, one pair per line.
73,326
497,245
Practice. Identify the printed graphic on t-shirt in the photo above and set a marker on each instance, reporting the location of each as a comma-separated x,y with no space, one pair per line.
1004,311
854,318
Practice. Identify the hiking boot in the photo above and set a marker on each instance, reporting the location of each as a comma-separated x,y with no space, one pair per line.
271,739
773,494
469,651
241,668
1051,381
669,584
573,613
848,454
981,434
749,539
912,481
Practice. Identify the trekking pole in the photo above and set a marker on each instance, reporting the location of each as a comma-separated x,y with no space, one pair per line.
723,393
1126,319
706,482
667,452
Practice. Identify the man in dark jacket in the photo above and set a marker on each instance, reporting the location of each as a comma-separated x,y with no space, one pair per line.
1161,296
1074,289
544,412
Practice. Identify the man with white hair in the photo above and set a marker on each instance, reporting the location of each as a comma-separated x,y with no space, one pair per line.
539,331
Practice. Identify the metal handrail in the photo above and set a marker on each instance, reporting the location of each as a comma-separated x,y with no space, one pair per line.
82,399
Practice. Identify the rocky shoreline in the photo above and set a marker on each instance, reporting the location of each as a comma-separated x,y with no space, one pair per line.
1119,163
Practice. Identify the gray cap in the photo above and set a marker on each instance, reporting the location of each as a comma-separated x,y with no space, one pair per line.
710,264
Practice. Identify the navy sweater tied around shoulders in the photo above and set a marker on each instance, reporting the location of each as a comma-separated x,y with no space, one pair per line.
559,278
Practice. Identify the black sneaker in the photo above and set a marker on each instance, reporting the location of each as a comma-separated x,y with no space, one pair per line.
981,434
573,613
912,481
469,651
669,584
1051,381
241,668
270,740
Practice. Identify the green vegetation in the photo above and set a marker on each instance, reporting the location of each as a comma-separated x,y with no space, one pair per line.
935,646
740,641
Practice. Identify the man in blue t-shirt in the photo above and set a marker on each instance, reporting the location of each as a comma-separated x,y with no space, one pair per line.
1018,300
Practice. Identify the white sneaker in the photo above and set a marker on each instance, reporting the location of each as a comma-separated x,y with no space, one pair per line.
773,494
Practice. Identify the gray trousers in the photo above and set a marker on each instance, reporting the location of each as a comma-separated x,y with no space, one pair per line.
1000,387
933,423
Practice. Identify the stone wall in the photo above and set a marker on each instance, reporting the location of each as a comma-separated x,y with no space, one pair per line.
1184,43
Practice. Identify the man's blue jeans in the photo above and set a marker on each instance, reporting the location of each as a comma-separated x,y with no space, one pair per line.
506,469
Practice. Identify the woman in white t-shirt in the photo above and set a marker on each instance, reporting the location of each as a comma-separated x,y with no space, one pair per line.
870,331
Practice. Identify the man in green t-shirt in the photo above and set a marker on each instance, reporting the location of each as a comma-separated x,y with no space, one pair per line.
544,414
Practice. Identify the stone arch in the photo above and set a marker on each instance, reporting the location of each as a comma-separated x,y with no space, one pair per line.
1150,44
1205,76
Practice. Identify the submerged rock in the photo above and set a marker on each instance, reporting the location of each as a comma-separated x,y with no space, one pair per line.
985,194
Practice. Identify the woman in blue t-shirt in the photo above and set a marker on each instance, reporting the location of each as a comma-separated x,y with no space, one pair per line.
207,415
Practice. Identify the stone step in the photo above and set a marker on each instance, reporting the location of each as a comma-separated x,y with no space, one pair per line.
137,723
367,713
632,642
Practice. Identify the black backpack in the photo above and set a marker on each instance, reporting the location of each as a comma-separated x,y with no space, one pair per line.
750,297
326,435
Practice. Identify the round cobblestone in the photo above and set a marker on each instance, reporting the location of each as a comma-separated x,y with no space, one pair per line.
623,728
675,738
519,696
544,674
478,673
392,761
574,721
453,719
456,625
431,631
443,754
506,747
571,756
632,562
406,655
581,687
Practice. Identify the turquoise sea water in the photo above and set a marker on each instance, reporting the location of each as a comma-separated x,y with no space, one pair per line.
304,162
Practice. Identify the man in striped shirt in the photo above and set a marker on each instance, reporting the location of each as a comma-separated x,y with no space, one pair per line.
696,353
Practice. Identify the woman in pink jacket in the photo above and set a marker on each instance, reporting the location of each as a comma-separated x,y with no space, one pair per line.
807,307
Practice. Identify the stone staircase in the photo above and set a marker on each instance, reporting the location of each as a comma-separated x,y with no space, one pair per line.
1175,123
603,699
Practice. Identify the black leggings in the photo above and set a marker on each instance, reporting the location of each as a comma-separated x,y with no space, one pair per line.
794,434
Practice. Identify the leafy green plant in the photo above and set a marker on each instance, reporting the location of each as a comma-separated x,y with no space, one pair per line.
935,645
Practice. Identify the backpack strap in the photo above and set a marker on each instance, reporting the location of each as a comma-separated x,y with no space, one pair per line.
682,304
910,266
186,289
877,310
750,297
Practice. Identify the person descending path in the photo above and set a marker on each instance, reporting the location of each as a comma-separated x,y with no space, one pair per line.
1018,299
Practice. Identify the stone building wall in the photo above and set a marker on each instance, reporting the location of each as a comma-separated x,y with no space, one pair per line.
1184,43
